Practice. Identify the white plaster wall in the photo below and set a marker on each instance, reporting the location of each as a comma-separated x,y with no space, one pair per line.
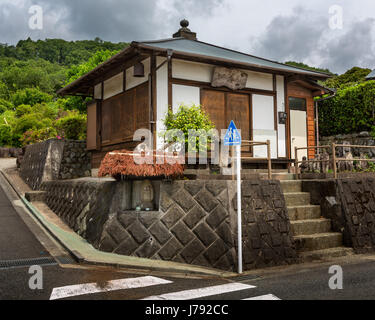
281,108
187,95
162,98
132,81
264,125
263,136
258,80
187,70
263,112
113,86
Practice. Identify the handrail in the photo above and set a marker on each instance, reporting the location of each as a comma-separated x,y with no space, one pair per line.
248,143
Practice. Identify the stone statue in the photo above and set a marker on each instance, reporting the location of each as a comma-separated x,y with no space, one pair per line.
304,165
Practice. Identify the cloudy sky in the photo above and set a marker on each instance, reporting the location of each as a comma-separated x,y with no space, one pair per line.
281,30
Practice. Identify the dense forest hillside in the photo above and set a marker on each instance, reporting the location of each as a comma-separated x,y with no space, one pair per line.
30,74
58,51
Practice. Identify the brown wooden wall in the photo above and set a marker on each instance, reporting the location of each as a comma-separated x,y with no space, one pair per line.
295,90
120,117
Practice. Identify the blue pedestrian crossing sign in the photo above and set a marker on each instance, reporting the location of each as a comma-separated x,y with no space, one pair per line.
233,136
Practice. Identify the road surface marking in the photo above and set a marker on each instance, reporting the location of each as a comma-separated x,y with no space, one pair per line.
90,288
201,292
265,297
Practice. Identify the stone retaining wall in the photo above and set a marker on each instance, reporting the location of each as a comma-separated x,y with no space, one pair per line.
350,204
196,222
361,139
54,159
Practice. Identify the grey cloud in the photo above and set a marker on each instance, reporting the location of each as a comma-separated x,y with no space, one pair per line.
354,48
305,37
292,37
113,20
13,23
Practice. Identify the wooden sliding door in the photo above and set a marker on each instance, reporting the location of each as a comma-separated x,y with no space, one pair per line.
222,107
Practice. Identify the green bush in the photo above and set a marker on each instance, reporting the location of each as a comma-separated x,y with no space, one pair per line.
72,127
5,105
189,118
30,96
6,136
40,135
32,121
352,110
22,110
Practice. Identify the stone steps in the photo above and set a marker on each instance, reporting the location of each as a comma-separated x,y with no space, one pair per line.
318,241
309,227
326,254
297,199
306,212
279,176
290,186
312,233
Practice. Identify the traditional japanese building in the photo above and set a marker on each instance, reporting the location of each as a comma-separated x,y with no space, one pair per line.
135,88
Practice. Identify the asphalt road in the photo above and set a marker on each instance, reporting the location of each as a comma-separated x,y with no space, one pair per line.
302,282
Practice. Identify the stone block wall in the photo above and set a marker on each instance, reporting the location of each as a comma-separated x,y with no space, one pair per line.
84,205
360,139
267,237
196,222
350,204
54,159
192,226
41,162
76,161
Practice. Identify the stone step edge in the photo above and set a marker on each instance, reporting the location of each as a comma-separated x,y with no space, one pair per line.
310,221
318,235
326,253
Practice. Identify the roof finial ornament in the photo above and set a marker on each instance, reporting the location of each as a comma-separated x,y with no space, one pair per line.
184,23
185,32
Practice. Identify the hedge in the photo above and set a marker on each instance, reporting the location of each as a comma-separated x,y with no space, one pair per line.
352,110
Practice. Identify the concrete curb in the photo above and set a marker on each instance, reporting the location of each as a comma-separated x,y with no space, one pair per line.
83,252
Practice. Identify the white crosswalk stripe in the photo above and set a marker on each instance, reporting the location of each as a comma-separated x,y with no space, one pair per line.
202,292
114,285
149,281
265,297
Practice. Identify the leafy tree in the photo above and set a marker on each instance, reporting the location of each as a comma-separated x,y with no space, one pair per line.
350,78
307,67
30,96
72,126
75,72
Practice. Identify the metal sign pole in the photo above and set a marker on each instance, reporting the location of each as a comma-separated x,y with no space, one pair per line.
239,209
233,138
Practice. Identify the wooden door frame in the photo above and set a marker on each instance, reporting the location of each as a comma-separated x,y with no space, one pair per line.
290,122
226,92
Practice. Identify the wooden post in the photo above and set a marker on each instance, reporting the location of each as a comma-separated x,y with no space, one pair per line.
296,162
269,159
334,166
